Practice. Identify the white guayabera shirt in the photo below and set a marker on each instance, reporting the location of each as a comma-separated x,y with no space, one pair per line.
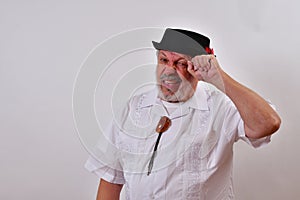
194,158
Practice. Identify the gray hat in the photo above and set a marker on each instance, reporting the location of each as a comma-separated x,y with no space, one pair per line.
184,42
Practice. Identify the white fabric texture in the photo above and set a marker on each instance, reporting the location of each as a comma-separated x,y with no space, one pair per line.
194,158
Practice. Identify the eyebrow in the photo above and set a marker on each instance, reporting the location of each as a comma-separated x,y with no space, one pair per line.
163,53
180,57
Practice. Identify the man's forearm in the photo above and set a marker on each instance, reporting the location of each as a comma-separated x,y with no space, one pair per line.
108,191
259,117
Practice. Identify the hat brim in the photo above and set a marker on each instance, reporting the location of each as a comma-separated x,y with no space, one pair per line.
186,50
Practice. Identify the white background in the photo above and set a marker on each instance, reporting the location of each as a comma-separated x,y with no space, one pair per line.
43,43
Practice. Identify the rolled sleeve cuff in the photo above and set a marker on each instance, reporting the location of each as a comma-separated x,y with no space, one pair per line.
256,143
104,172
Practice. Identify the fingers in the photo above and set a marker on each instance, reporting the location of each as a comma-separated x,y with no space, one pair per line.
203,63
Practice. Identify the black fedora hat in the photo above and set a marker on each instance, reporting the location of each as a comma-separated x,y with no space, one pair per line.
184,42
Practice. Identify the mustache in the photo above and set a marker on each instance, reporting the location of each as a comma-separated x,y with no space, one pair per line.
170,77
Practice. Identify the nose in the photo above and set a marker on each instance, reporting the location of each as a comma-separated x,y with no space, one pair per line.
170,67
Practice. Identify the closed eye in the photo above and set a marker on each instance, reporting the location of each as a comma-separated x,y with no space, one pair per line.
182,64
163,60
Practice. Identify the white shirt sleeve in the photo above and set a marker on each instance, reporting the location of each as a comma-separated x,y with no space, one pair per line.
236,130
253,142
106,164
104,172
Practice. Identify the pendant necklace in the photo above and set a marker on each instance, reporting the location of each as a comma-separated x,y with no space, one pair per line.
162,126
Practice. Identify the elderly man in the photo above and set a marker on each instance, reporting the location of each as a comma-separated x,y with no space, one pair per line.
200,112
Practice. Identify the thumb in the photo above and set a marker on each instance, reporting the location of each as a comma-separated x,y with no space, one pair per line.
190,68
195,73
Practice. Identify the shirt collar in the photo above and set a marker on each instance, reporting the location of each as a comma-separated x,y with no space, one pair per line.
199,99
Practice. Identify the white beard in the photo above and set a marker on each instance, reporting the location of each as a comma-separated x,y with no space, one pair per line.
184,92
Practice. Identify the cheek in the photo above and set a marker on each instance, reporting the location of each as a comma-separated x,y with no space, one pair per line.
159,70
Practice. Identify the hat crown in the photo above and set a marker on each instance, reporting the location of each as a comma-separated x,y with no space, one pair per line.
183,41
201,39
